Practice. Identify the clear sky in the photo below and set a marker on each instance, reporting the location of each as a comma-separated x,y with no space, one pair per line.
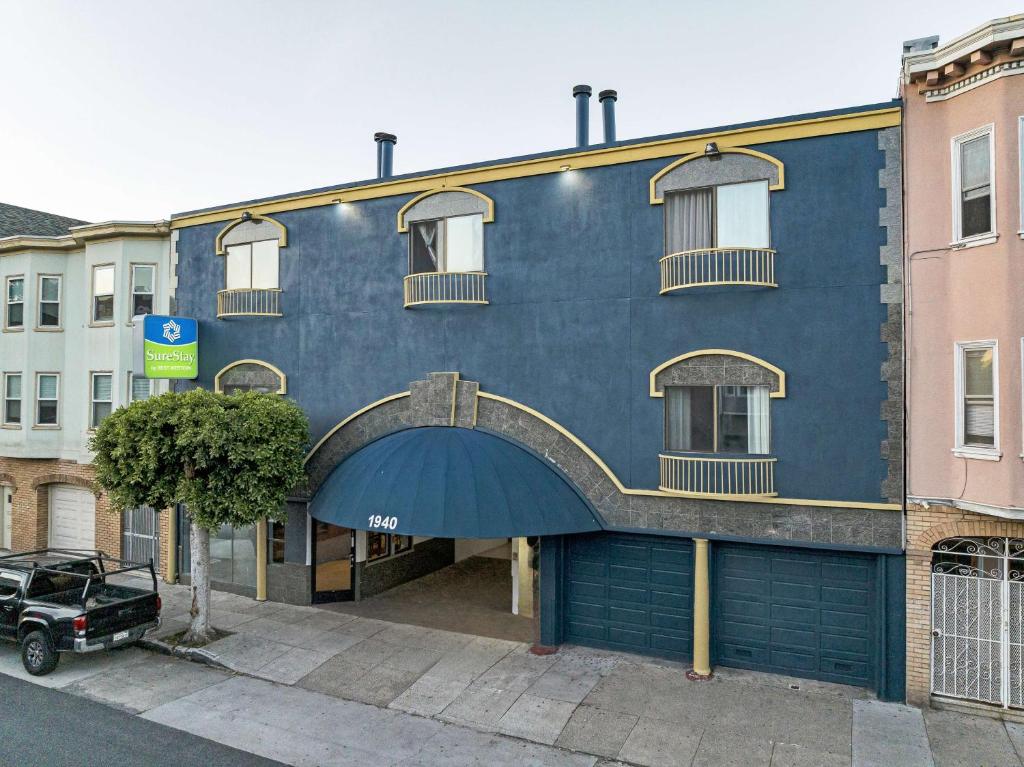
137,109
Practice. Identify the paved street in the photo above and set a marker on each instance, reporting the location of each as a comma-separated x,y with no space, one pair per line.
51,728
305,686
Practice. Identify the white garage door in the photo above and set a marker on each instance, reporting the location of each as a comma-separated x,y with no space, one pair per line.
72,518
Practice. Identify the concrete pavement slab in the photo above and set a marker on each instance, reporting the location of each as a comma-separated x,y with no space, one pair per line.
246,653
537,719
480,706
792,755
418,659
293,665
429,696
379,686
461,747
655,743
596,731
818,722
333,677
146,683
887,734
331,641
467,663
958,739
567,680
619,691
516,671
732,748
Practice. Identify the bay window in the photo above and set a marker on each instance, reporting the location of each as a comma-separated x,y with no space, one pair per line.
717,419
453,244
725,216
49,301
103,293
973,190
977,399
14,310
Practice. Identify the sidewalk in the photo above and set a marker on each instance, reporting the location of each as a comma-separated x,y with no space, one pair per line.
308,686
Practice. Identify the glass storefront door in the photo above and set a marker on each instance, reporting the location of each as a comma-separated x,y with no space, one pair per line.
332,554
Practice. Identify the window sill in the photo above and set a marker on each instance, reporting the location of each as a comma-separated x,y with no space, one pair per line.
102,324
978,453
974,242
46,427
17,427
14,330
47,330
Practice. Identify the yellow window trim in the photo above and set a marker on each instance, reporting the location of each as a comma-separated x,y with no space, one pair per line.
655,392
282,239
488,216
655,200
876,119
283,389
604,467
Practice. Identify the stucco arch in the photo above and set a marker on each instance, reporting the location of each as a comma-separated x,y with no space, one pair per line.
450,200
255,223
926,540
735,164
723,365
65,479
273,369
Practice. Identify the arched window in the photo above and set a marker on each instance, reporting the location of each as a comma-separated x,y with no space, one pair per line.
250,375
250,246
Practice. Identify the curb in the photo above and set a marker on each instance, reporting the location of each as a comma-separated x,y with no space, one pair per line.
194,654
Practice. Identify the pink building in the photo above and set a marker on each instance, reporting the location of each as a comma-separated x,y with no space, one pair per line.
964,334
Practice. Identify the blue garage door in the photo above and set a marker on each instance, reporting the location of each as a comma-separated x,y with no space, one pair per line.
796,611
632,593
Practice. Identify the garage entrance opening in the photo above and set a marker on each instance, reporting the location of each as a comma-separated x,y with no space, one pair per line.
474,594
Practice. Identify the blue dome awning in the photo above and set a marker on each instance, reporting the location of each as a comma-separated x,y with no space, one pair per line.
447,482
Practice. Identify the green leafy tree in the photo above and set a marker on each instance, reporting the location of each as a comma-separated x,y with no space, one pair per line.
231,459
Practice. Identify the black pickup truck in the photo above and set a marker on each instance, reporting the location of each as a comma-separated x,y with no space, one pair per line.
55,600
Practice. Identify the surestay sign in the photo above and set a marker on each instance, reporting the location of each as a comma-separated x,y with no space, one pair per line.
166,347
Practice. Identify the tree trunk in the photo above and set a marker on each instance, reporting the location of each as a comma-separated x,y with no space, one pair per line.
199,630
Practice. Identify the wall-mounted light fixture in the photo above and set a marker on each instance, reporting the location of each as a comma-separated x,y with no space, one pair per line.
247,216
712,152
564,168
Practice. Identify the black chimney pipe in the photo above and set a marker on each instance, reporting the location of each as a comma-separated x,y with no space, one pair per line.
385,153
582,95
608,99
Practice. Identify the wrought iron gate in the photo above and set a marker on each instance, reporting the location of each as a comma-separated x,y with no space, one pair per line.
976,619
140,535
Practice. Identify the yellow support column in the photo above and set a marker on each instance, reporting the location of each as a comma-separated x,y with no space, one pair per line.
701,613
261,561
172,544
525,578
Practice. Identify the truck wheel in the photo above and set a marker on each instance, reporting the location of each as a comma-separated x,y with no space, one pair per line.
37,654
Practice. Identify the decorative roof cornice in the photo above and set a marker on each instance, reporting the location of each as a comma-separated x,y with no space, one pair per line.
995,33
79,235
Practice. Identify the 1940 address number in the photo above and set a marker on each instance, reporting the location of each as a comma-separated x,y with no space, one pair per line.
383,523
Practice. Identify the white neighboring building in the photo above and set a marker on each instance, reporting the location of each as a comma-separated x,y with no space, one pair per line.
65,363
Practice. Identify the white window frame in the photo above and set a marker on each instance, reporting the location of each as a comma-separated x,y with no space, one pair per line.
35,415
132,292
93,423
250,246
1020,173
975,451
93,296
7,302
3,402
955,143
442,223
60,302
130,396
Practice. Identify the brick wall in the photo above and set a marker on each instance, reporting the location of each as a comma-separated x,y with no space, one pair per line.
925,527
31,480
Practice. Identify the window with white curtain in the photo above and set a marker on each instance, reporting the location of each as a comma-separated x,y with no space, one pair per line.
102,401
49,300
12,399
977,398
139,388
726,216
717,419
252,266
47,399
453,244
14,302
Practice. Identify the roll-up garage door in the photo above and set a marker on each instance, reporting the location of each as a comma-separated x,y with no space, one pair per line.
632,593
72,518
800,612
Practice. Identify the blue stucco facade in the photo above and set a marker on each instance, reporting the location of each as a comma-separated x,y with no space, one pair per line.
575,323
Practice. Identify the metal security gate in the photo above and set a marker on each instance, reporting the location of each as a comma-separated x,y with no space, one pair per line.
140,536
976,620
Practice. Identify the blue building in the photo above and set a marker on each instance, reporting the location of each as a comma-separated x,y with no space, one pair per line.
671,365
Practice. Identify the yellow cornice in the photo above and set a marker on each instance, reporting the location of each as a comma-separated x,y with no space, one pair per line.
761,134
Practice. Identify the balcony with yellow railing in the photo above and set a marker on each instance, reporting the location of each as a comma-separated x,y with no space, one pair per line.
249,302
717,477
718,266
445,288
